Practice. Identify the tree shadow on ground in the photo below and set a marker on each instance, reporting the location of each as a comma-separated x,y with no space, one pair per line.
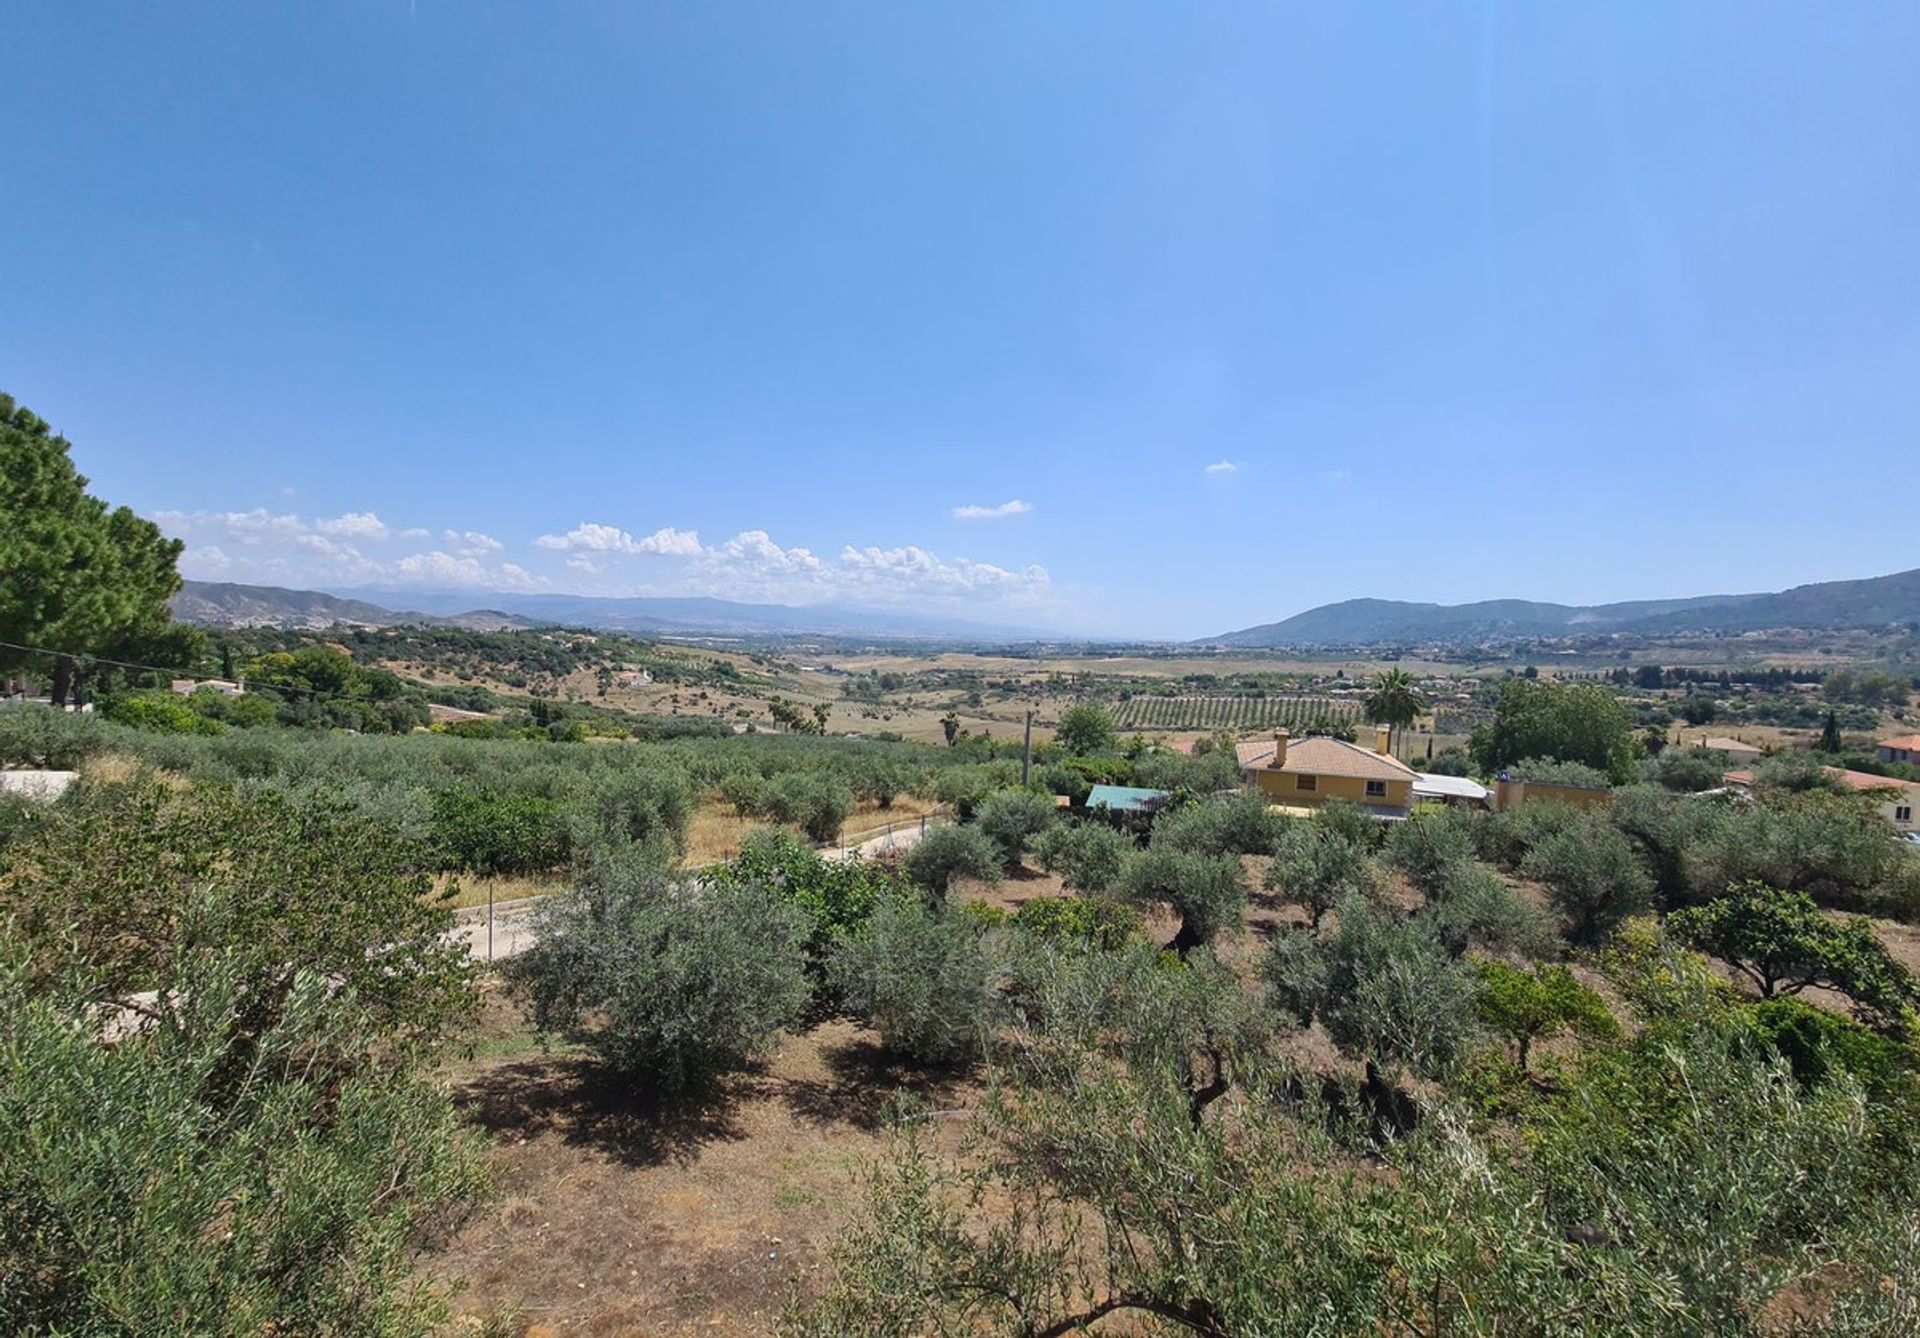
865,1081
577,1099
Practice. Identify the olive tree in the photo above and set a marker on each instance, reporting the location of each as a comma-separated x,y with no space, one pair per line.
1011,819
1207,892
957,851
672,981
925,978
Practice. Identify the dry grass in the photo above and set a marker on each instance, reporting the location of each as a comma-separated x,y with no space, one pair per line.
716,830
471,890
614,1218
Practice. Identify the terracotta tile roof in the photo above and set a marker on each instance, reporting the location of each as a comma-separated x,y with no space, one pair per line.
1327,757
1863,781
1866,780
1911,742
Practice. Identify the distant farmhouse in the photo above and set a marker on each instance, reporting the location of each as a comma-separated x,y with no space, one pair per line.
1896,800
1305,773
186,687
1905,749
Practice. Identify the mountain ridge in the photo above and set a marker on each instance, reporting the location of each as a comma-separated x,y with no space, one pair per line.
1825,605
229,604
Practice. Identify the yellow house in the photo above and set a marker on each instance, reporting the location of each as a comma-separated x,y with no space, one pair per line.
1304,773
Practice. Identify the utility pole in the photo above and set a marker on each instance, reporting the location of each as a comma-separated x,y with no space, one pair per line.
1026,751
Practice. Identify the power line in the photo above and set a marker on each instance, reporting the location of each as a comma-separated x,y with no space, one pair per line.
318,694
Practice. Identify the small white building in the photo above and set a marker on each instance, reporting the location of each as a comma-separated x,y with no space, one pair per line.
1456,791
186,687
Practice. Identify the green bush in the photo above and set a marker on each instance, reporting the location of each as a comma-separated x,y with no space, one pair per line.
128,882
1011,819
1527,1006
1240,825
1088,856
42,738
1820,1045
487,832
1590,871
1107,925
672,982
924,979
949,852
172,1183
636,808
1384,987
835,897
160,712
1207,892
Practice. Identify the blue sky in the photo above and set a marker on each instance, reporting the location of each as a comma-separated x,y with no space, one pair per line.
1241,308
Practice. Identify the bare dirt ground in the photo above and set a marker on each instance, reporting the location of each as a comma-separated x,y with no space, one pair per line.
613,1218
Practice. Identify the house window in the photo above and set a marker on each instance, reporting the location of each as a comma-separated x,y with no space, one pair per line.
1306,782
1904,813
1376,789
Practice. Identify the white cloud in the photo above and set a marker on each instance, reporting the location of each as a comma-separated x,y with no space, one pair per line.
258,546
669,542
354,525
1222,467
589,537
444,569
1016,507
470,543
753,566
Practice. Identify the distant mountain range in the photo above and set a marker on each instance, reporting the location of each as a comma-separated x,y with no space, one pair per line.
222,604
1880,601
219,604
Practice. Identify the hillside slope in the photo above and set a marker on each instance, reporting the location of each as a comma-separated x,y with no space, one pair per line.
1829,605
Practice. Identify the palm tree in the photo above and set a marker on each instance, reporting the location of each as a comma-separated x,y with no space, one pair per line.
1393,702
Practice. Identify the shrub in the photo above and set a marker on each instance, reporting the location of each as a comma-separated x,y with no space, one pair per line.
1820,1045
1207,892
486,832
636,808
1013,818
834,896
1317,867
1783,944
1106,925
1430,846
817,804
746,791
160,712
45,739
1527,1006
1552,771
127,882
173,1183
672,982
1385,989
1241,825
924,979
1088,856
1590,871
1686,770
949,852
1084,730
1472,908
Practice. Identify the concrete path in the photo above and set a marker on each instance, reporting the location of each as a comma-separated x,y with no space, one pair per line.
512,932
904,836
512,929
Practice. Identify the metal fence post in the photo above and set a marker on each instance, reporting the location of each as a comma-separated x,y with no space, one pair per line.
489,920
